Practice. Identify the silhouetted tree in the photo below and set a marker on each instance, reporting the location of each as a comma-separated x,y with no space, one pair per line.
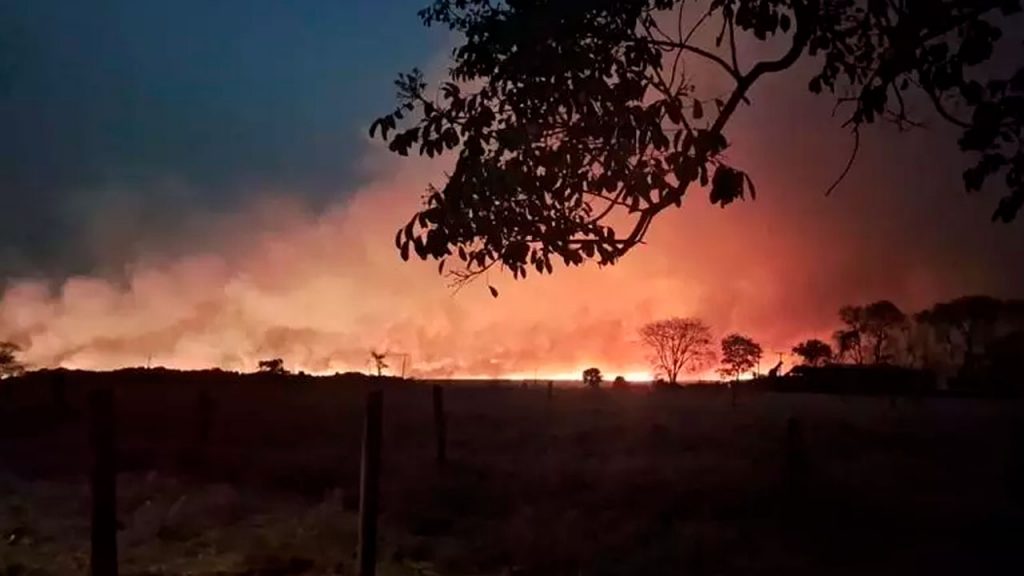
678,344
592,378
272,366
567,116
849,340
883,323
620,382
972,319
739,354
813,352
918,350
9,365
378,361
870,331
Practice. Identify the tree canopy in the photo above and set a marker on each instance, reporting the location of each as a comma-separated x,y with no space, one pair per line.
272,366
813,352
592,377
677,345
739,354
870,331
974,321
575,124
9,365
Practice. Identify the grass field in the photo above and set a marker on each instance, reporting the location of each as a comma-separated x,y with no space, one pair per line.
594,483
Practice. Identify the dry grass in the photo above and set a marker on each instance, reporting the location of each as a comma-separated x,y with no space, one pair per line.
589,483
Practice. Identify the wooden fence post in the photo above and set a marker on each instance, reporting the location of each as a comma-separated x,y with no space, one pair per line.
551,390
103,561
369,485
440,425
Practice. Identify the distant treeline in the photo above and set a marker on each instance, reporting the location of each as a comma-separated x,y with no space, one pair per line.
971,344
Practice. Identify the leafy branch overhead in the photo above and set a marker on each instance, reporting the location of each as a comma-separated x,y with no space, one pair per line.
575,124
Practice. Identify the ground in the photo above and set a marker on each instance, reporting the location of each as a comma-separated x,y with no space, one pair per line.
587,482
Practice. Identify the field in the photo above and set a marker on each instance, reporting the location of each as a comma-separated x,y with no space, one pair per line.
587,482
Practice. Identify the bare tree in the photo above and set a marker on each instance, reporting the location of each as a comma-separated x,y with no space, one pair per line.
678,344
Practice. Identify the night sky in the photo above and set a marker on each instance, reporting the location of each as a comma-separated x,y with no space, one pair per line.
160,109
191,183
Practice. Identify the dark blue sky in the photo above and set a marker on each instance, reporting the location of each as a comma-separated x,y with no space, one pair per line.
185,105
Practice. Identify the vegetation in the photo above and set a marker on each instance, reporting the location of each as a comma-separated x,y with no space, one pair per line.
631,483
677,345
969,339
971,321
592,378
379,361
814,352
567,116
870,331
272,366
739,354
9,365
978,336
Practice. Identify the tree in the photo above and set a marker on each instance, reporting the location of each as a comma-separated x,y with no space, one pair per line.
272,366
677,344
739,354
620,382
592,378
566,117
9,365
813,352
973,319
883,322
870,331
849,340
378,361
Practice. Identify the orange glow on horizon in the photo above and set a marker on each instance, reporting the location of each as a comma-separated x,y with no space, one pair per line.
321,289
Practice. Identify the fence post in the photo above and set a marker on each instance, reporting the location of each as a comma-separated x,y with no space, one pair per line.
369,485
440,424
103,561
551,389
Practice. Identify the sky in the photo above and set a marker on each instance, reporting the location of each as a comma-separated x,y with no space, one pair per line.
191,184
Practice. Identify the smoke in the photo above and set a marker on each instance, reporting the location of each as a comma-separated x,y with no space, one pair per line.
320,290
322,287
